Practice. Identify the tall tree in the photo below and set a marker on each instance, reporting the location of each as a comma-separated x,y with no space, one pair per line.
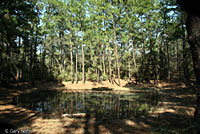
192,21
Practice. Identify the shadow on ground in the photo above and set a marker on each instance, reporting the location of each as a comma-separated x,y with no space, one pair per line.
102,89
12,116
165,123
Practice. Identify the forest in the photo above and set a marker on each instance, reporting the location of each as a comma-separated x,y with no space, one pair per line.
128,44
93,40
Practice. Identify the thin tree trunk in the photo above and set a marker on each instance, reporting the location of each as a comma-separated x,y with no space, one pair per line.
36,42
167,46
43,60
97,71
76,65
61,66
185,63
178,61
168,61
109,66
31,57
129,63
143,54
19,55
100,65
103,60
153,59
71,57
52,58
133,52
35,47
116,53
24,55
83,63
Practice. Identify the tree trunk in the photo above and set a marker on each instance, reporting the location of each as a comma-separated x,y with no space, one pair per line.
152,58
24,38
61,66
168,60
185,63
116,51
43,63
71,57
31,57
133,51
193,29
167,72
178,61
116,54
109,66
18,58
143,58
143,55
103,60
76,65
35,47
83,64
129,63
97,71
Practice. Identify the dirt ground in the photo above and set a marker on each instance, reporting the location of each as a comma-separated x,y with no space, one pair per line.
174,111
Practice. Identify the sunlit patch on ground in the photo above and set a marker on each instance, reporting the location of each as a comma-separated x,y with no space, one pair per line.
175,105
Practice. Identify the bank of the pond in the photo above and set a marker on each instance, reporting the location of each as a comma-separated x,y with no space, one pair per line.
176,108
124,85
93,85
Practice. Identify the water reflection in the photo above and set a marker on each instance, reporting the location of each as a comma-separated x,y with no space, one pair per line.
96,104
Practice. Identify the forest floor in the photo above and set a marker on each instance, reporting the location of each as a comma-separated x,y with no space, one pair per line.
173,114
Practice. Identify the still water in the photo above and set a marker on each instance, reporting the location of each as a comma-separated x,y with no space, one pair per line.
94,104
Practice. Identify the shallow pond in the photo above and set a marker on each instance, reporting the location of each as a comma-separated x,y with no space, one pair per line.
93,104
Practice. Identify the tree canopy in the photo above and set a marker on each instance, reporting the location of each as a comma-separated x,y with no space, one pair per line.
72,40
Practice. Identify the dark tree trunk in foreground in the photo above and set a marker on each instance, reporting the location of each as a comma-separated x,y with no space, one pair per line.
192,21
193,29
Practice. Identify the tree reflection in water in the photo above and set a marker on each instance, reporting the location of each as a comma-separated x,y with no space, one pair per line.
102,105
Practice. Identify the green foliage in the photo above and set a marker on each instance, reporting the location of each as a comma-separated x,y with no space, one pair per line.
93,77
63,77
148,35
105,77
144,108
